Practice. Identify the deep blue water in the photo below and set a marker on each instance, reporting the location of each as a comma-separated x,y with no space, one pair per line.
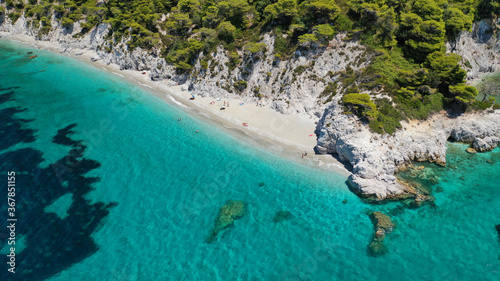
110,186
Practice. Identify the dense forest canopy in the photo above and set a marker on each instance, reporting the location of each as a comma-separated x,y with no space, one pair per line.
406,40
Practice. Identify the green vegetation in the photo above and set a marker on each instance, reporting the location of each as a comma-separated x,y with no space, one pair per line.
361,104
300,69
14,16
489,88
405,41
409,64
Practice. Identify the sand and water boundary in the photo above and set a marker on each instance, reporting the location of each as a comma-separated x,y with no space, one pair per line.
286,135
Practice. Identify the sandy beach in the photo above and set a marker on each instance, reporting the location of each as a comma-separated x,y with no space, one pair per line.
288,135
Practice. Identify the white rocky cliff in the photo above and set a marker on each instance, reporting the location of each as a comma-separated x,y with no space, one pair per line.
287,86
376,158
479,49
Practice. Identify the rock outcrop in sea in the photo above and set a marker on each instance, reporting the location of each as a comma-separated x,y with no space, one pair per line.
228,213
383,225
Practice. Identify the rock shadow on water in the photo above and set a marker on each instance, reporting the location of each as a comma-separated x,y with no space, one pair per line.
228,213
53,243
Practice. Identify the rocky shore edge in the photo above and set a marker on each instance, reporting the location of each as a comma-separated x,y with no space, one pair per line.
376,159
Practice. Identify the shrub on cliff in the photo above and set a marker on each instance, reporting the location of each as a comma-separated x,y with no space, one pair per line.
14,16
360,104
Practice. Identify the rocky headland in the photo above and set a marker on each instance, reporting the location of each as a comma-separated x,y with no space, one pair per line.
376,159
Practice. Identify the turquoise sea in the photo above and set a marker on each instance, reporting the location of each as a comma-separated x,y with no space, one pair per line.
110,186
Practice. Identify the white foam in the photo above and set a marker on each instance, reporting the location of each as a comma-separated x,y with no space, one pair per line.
175,101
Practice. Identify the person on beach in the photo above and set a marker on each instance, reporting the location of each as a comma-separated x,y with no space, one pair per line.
227,104
305,153
224,103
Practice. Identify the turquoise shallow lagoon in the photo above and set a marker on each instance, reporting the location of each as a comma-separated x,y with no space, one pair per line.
145,190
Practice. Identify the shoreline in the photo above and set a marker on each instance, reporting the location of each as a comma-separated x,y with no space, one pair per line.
283,135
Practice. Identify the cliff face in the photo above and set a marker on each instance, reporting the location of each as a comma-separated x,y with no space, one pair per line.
288,86
480,48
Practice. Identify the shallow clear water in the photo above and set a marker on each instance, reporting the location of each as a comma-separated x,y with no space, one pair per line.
146,190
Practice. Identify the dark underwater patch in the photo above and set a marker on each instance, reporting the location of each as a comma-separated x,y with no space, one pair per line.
11,128
62,136
52,244
5,97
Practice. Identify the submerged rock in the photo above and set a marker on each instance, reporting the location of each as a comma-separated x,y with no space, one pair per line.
471,150
282,216
261,184
382,221
228,213
383,225
421,199
377,248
